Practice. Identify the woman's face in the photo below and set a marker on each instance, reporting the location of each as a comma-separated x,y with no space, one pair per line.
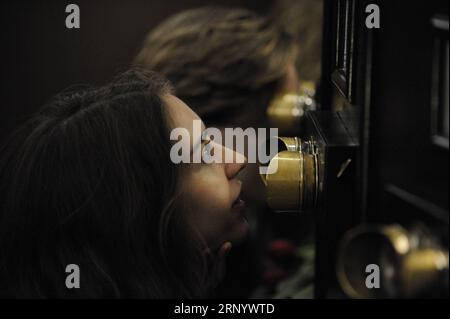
210,192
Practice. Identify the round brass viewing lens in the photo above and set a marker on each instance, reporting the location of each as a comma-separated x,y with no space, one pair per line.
292,187
405,268
286,110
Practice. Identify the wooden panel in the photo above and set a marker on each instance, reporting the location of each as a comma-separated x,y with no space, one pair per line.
439,83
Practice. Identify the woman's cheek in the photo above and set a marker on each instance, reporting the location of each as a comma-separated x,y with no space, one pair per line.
209,194
216,191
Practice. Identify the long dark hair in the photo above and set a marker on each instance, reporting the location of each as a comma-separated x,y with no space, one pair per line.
89,181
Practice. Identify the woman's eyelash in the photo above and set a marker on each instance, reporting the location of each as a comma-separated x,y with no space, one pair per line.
208,149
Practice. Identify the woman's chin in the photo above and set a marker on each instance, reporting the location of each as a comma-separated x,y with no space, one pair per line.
240,231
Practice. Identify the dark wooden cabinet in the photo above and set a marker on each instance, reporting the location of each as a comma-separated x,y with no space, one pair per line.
387,89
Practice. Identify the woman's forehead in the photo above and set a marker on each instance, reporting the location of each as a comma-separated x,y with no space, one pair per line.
181,114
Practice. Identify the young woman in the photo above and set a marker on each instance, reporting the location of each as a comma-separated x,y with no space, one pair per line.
228,64
89,181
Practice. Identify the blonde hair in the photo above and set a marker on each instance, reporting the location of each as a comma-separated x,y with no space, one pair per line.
225,63
303,18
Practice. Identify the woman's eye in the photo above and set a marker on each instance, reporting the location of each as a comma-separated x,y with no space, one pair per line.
208,152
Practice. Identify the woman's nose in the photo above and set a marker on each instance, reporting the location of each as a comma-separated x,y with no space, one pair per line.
238,164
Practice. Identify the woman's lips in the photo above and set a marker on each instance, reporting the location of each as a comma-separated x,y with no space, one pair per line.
239,205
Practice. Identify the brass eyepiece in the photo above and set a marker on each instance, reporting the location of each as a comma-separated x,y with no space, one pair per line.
294,182
286,110
408,263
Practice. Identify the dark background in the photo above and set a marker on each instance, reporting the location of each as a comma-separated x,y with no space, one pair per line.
39,56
